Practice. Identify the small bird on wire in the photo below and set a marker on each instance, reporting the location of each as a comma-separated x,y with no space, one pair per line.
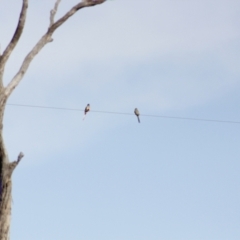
137,113
87,109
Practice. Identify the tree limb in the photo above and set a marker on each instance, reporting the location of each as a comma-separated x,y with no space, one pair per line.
13,165
18,32
9,168
20,156
53,12
46,38
26,62
83,4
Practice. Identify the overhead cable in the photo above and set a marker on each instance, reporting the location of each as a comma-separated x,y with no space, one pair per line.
124,113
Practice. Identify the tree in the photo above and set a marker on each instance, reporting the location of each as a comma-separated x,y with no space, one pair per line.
7,167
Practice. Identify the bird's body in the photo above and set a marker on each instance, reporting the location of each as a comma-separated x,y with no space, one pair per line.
87,109
137,113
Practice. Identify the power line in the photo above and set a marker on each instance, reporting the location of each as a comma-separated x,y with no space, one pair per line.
124,113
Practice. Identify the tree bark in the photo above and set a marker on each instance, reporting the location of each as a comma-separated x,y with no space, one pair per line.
7,52
6,170
5,186
6,191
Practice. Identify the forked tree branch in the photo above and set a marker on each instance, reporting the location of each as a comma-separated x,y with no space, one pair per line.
46,38
18,32
53,12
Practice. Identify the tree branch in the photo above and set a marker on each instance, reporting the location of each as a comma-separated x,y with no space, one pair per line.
9,168
53,12
83,4
26,62
46,38
13,165
18,32
20,156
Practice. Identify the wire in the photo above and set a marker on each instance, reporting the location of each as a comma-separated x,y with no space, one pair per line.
123,113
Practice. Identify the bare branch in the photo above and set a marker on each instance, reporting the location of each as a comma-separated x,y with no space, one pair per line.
7,52
46,38
83,4
10,168
26,62
13,165
20,156
53,12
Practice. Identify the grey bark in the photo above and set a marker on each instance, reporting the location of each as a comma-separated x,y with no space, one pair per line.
7,167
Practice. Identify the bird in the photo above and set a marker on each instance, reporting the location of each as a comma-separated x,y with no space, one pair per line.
137,113
87,109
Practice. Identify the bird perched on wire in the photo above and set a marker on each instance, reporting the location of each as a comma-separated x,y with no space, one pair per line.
87,109
137,113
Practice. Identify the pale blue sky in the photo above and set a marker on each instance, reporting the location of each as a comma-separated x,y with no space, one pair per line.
108,177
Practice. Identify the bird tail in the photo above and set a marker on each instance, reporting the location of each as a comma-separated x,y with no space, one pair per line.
84,116
138,119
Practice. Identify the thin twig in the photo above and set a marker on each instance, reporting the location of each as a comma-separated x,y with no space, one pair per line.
53,12
20,156
13,165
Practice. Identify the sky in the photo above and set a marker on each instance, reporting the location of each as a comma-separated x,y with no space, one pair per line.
109,177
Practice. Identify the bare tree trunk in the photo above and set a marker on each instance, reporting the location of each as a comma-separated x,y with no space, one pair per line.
6,194
5,205
5,184
6,170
